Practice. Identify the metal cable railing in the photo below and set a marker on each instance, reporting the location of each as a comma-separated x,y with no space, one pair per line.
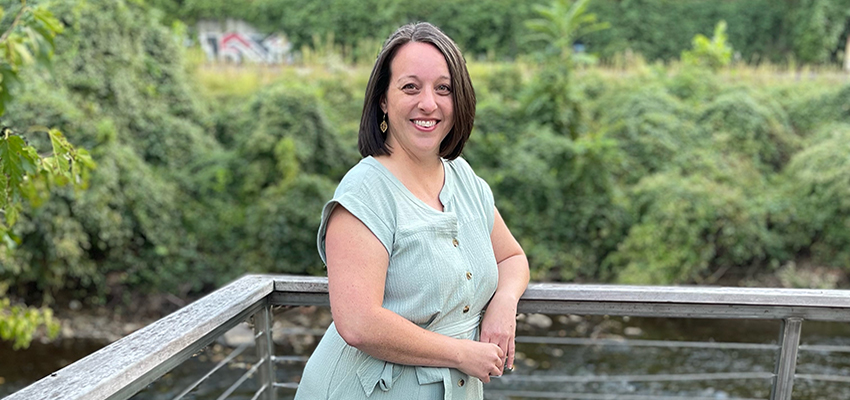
125,367
236,352
593,396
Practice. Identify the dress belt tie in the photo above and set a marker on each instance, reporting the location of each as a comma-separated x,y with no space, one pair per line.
373,372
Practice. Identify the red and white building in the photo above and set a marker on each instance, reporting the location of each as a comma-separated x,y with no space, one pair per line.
236,41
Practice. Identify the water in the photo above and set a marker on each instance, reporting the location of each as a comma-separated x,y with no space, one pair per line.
20,368
542,370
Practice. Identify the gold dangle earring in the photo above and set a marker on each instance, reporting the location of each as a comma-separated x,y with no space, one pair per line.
384,124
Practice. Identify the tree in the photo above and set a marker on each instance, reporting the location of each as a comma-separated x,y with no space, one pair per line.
551,100
714,53
25,175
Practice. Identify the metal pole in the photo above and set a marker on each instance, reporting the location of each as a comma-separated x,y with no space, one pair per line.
786,364
265,351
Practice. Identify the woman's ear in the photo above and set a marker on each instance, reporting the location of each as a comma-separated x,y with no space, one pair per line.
384,104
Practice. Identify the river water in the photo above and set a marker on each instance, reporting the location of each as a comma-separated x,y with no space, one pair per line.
558,356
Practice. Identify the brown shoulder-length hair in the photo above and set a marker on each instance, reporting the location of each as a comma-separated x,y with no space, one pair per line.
370,140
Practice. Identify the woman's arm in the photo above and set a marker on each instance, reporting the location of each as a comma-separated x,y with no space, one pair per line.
357,267
499,324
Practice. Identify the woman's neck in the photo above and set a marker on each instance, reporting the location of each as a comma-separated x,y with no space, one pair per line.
422,176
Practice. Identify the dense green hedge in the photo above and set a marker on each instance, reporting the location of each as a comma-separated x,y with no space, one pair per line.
675,176
778,31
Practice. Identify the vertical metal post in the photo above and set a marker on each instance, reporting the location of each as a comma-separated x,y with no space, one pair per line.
786,364
265,351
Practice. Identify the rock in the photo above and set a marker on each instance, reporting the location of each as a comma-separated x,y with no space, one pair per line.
632,331
539,321
239,335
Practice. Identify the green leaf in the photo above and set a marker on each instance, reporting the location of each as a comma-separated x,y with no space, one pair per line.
29,159
12,212
11,164
47,18
22,52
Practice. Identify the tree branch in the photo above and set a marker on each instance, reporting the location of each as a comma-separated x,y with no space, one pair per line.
15,22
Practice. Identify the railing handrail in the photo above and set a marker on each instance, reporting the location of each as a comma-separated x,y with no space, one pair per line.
121,369
661,301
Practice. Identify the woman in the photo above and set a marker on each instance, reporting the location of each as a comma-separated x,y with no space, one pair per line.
415,248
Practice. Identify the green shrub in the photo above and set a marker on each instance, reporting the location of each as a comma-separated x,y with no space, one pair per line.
288,113
560,199
118,87
811,107
650,126
754,127
819,189
281,227
688,228
695,86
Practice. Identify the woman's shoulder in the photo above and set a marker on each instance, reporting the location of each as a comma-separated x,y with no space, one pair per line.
465,175
366,178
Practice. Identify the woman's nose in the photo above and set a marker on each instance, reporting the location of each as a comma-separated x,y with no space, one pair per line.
427,102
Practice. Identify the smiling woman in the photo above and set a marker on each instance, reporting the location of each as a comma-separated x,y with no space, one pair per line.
415,248
418,103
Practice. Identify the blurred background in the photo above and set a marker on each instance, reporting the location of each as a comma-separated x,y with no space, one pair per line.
626,141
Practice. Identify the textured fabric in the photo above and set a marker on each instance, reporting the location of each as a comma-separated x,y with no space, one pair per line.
441,274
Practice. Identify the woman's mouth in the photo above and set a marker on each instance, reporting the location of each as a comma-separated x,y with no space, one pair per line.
425,123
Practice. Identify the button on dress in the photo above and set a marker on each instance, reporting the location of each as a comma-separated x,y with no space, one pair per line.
441,274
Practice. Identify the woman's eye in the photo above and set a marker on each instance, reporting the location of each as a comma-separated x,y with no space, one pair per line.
444,89
409,86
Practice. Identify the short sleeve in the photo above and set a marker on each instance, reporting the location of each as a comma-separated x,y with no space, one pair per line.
487,199
477,189
373,208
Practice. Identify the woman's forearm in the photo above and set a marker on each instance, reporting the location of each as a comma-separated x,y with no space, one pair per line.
513,277
386,335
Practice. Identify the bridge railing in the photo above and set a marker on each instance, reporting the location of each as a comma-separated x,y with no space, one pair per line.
122,369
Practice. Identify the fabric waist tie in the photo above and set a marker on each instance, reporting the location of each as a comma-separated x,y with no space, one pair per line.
379,373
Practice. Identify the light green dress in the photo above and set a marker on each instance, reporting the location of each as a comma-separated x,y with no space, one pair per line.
441,274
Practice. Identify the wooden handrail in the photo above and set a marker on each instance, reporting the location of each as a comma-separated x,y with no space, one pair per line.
120,370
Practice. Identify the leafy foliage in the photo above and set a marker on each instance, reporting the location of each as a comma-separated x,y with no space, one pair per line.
817,27
136,112
19,323
687,225
649,175
757,129
26,176
561,23
552,99
818,187
650,126
714,53
807,31
551,189
28,39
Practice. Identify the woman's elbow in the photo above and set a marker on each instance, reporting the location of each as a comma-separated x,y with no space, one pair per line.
352,330
351,337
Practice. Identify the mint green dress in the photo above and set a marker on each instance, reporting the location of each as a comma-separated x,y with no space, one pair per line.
441,274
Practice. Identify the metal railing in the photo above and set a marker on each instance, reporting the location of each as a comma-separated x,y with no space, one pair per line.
123,368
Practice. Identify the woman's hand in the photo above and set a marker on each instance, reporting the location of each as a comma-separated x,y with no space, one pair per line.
481,360
499,324
499,327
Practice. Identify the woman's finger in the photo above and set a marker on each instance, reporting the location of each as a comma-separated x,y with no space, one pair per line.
511,352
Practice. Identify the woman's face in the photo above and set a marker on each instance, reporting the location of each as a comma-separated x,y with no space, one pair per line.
418,101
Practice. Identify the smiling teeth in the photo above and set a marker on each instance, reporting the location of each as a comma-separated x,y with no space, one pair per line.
425,124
